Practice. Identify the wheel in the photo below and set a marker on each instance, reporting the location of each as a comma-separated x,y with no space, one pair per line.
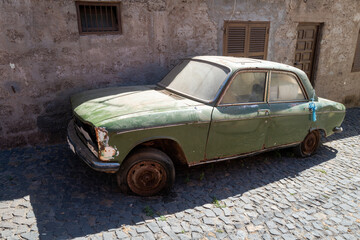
309,145
146,172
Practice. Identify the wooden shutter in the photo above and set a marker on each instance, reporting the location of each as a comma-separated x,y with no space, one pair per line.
236,38
246,39
356,63
258,36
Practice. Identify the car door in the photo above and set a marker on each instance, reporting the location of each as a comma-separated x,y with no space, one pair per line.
239,121
289,110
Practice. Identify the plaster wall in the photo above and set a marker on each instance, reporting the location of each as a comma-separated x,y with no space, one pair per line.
43,59
338,35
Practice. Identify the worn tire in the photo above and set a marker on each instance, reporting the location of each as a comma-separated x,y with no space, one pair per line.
309,145
146,172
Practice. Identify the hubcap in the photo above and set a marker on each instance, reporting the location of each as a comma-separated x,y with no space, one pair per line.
146,178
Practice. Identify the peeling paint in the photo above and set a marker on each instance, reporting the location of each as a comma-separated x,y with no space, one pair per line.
70,145
92,149
102,136
106,152
84,133
117,152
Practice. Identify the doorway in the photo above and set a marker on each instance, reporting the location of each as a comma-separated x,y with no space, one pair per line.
306,52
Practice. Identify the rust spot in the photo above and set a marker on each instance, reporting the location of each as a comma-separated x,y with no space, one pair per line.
146,178
102,137
106,152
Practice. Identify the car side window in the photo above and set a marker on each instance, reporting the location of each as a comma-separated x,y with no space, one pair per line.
284,87
246,87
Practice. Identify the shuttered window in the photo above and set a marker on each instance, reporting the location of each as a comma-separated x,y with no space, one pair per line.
99,17
356,63
246,39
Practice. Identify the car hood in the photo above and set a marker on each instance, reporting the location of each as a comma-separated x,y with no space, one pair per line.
101,105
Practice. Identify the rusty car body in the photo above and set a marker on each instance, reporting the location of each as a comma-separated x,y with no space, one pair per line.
208,108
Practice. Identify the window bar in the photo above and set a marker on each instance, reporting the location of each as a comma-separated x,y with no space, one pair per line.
101,18
118,18
96,20
106,17
112,18
91,21
86,23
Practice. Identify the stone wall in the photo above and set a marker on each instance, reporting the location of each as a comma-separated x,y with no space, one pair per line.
43,59
341,23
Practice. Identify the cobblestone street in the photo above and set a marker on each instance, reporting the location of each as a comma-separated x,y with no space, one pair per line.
47,193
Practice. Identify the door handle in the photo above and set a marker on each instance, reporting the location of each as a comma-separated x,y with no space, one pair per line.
266,111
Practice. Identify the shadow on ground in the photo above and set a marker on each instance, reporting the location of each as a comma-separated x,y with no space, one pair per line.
71,200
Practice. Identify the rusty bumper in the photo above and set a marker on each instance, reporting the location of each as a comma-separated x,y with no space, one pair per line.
80,149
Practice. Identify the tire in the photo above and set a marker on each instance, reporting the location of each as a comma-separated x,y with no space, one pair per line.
146,172
309,145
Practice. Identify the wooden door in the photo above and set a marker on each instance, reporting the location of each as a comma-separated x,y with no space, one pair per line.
307,36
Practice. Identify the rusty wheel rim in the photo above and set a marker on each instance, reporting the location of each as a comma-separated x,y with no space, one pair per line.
310,142
146,178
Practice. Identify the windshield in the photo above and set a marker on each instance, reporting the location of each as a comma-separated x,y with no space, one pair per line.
196,79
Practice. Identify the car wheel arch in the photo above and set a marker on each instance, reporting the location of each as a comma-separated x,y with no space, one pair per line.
321,130
310,144
169,146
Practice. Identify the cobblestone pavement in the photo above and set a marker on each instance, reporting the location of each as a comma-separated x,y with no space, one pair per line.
47,193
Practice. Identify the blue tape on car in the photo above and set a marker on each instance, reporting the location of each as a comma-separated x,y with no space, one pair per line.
313,109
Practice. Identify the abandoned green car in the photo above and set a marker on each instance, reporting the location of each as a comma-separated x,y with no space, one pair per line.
206,109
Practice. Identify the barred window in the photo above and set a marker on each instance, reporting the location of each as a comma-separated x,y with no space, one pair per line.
99,17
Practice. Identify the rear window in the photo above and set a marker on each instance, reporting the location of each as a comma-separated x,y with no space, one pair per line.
285,87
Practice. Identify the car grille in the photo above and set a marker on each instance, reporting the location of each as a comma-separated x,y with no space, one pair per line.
88,129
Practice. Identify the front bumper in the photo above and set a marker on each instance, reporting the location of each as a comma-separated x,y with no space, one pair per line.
80,149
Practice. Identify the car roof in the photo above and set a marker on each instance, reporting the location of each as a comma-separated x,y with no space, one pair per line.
236,63
239,63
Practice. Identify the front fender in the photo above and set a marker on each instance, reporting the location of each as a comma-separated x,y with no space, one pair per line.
191,137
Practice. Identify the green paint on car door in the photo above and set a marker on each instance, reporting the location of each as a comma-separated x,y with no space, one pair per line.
237,129
289,123
289,110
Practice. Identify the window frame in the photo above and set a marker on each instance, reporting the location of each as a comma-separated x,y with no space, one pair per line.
112,4
225,89
298,81
356,67
248,25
